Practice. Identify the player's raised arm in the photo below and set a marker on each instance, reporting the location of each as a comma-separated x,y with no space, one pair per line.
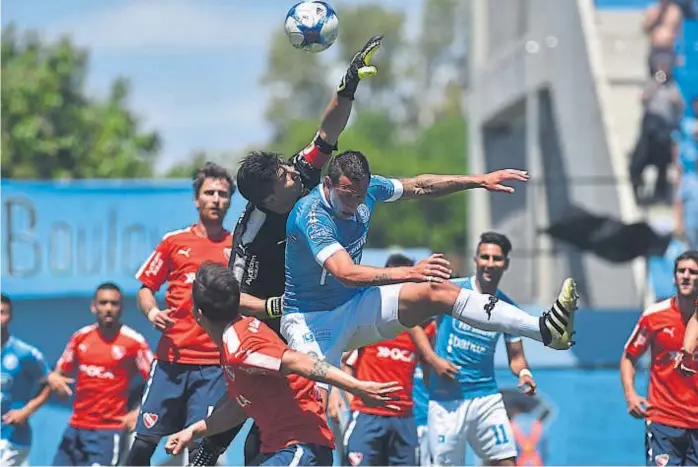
371,393
337,113
433,186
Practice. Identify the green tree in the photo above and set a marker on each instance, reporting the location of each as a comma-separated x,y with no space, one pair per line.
52,129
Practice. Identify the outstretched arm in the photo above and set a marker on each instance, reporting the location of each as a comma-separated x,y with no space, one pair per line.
432,186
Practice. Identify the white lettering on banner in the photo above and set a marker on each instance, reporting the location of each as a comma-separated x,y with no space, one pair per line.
95,371
395,354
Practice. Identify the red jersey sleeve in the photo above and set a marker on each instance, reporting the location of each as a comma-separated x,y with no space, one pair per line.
352,358
430,329
66,364
254,345
639,339
155,270
144,358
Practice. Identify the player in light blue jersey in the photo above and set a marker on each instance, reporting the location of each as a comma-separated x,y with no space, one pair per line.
470,409
23,371
333,304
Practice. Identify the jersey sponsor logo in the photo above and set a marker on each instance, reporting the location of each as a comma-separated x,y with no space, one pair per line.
455,342
96,371
10,361
150,419
395,354
462,327
317,336
155,265
356,248
186,252
118,352
355,458
669,331
254,326
252,270
489,306
189,277
661,459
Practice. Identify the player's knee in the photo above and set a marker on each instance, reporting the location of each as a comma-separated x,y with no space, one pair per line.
142,450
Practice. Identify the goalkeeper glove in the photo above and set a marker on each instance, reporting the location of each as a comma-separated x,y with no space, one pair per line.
359,68
273,307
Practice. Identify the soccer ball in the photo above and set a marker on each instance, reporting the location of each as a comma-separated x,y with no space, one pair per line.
312,26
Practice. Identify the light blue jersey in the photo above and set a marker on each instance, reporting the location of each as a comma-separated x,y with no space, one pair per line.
420,397
472,350
314,233
23,368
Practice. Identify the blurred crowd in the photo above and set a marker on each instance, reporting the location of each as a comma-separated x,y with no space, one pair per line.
668,136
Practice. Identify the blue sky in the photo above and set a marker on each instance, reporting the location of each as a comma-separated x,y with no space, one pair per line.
194,65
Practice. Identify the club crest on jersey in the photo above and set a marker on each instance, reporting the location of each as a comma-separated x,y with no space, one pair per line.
10,361
363,213
355,458
661,459
150,419
117,352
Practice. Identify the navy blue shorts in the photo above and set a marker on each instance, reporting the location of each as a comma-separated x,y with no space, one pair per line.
380,440
81,446
666,445
299,454
177,395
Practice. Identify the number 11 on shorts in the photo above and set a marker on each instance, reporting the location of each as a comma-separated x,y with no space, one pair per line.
500,435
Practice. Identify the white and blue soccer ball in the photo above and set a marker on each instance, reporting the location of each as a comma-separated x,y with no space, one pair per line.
312,26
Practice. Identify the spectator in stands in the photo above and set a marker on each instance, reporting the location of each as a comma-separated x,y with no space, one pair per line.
663,108
686,207
662,23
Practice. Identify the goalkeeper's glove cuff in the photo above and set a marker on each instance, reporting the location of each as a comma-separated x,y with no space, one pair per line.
273,307
348,86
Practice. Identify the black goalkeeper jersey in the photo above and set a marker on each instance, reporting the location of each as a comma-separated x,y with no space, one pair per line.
259,244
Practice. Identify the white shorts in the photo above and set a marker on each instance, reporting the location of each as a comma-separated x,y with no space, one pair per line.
423,456
369,317
12,454
481,422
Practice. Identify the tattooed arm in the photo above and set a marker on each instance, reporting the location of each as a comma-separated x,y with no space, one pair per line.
342,267
319,370
433,186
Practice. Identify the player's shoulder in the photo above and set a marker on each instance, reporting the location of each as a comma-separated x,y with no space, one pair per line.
249,224
657,309
241,332
22,348
311,208
85,331
175,237
132,335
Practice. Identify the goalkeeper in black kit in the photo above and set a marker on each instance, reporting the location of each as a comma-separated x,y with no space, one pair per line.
272,186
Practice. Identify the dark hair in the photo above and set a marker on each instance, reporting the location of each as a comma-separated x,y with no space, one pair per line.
108,286
6,300
496,238
257,175
351,164
216,292
398,259
214,171
688,254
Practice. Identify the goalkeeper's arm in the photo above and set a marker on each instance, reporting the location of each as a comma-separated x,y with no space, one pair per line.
260,308
337,113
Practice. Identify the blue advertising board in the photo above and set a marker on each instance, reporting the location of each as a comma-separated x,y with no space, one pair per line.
64,238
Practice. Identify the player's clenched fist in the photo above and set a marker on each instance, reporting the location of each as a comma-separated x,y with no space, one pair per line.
435,268
160,319
178,441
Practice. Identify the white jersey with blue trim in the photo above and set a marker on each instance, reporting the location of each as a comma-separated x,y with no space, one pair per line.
469,348
314,233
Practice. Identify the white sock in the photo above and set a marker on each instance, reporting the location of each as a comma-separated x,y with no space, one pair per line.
490,314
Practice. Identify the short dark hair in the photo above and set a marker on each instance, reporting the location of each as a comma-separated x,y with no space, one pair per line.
351,164
257,175
6,300
397,260
216,292
215,171
688,254
108,286
495,238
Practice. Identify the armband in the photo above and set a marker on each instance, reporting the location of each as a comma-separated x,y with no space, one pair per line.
318,151
273,306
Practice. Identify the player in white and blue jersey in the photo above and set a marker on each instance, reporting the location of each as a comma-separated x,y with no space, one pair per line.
332,303
23,371
470,409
